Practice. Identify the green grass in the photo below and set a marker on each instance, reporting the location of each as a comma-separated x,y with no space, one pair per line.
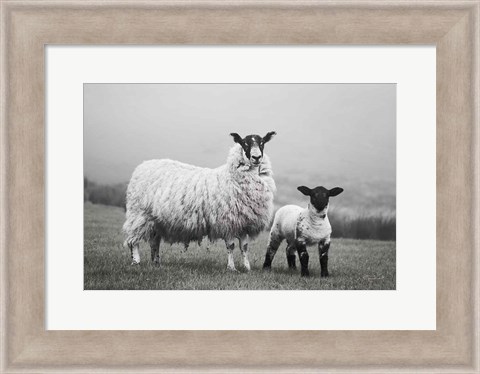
353,264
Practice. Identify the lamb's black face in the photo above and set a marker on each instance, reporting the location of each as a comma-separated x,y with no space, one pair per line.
319,196
253,146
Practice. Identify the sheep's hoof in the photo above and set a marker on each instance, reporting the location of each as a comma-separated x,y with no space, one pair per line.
267,267
156,263
247,267
232,269
135,263
305,273
324,274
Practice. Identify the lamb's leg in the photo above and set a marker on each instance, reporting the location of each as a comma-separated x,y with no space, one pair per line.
243,243
155,249
303,255
273,244
230,246
291,257
134,254
323,247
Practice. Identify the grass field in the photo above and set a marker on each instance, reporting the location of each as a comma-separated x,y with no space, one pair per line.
353,264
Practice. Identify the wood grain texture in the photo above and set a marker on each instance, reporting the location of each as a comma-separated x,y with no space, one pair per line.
28,26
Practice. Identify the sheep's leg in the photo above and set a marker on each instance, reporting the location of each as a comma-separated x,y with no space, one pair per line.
291,257
207,247
273,244
323,247
230,246
155,249
243,243
303,255
134,253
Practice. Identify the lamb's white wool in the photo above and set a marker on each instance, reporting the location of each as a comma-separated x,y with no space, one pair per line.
178,202
304,225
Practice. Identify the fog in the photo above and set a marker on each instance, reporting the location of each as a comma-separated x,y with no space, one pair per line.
327,134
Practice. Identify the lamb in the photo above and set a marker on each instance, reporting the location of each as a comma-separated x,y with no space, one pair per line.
180,203
303,227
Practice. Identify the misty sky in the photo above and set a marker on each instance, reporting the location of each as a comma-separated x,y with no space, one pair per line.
339,131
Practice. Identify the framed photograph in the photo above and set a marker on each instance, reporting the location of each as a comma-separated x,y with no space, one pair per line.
213,206
240,187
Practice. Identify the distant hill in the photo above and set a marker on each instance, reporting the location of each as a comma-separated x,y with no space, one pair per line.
365,210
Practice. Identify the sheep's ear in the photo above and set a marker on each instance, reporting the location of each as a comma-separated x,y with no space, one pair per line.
269,136
335,191
237,138
305,190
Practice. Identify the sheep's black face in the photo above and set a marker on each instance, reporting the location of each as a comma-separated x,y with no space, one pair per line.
253,146
319,196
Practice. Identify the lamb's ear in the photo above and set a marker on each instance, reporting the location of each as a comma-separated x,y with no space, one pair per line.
237,138
269,136
305,190
335,191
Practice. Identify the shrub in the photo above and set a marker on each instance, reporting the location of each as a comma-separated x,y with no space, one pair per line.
105,194
379,226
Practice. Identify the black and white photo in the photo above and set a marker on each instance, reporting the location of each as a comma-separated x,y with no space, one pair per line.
239,186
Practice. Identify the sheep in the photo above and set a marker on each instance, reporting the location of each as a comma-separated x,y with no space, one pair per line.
179,203
301,228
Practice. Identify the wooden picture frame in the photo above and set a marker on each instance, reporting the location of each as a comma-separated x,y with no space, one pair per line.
27,26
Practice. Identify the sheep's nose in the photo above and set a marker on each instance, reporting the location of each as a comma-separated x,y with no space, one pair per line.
256,158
